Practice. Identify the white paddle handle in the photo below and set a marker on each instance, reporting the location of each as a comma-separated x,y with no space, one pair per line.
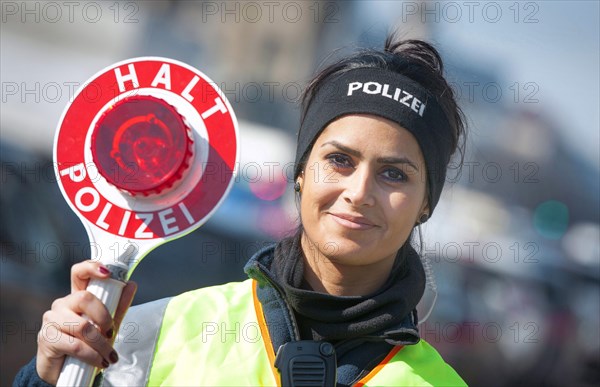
76,372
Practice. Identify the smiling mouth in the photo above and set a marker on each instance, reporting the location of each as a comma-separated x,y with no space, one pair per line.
353,222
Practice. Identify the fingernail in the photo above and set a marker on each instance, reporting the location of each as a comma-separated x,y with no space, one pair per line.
105,363
110,333
113,357
103,270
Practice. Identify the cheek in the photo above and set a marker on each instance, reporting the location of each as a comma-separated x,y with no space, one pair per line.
316,194
404,209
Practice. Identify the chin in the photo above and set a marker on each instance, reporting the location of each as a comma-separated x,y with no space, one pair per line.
351,251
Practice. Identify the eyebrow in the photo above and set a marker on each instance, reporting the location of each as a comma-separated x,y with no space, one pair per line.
381,160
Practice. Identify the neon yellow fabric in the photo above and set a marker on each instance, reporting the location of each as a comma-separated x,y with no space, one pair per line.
416,365
212,337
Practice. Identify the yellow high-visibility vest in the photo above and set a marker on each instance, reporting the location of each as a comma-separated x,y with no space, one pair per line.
217,336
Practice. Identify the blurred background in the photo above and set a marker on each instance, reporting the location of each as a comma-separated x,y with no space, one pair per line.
514,243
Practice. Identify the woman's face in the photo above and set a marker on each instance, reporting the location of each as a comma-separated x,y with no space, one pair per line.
363,189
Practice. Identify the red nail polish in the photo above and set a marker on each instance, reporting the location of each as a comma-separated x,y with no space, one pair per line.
105,363
113,357
103,270
110,333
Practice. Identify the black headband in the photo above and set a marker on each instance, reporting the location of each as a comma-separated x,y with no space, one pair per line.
390,95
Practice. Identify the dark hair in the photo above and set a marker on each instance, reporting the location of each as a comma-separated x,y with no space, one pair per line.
415,59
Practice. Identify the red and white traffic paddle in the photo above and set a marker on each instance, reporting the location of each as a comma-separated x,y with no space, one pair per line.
144,153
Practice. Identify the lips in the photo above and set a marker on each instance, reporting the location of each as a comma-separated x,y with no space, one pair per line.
356,222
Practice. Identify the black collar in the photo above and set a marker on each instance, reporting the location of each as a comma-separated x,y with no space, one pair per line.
389,314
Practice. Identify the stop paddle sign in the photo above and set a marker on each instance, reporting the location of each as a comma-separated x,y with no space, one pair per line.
144,153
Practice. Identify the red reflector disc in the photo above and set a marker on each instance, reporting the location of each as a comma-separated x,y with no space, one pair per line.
141,145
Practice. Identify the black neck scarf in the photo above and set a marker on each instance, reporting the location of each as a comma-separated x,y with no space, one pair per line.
323,316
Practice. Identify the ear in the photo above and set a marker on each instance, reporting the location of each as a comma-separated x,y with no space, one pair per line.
424,210
424,207
298,183
300,178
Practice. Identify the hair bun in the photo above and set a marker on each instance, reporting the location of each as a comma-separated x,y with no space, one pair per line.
417,50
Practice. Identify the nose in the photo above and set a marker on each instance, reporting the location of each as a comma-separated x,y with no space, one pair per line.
360,188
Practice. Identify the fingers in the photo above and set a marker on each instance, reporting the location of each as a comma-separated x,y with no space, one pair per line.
85,303
73,335
82,272
93,328
66,332
50,358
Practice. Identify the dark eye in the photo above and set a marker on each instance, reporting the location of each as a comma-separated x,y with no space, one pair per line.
394,175
339,160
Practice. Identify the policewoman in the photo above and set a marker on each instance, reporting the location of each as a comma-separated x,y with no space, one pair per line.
336,302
